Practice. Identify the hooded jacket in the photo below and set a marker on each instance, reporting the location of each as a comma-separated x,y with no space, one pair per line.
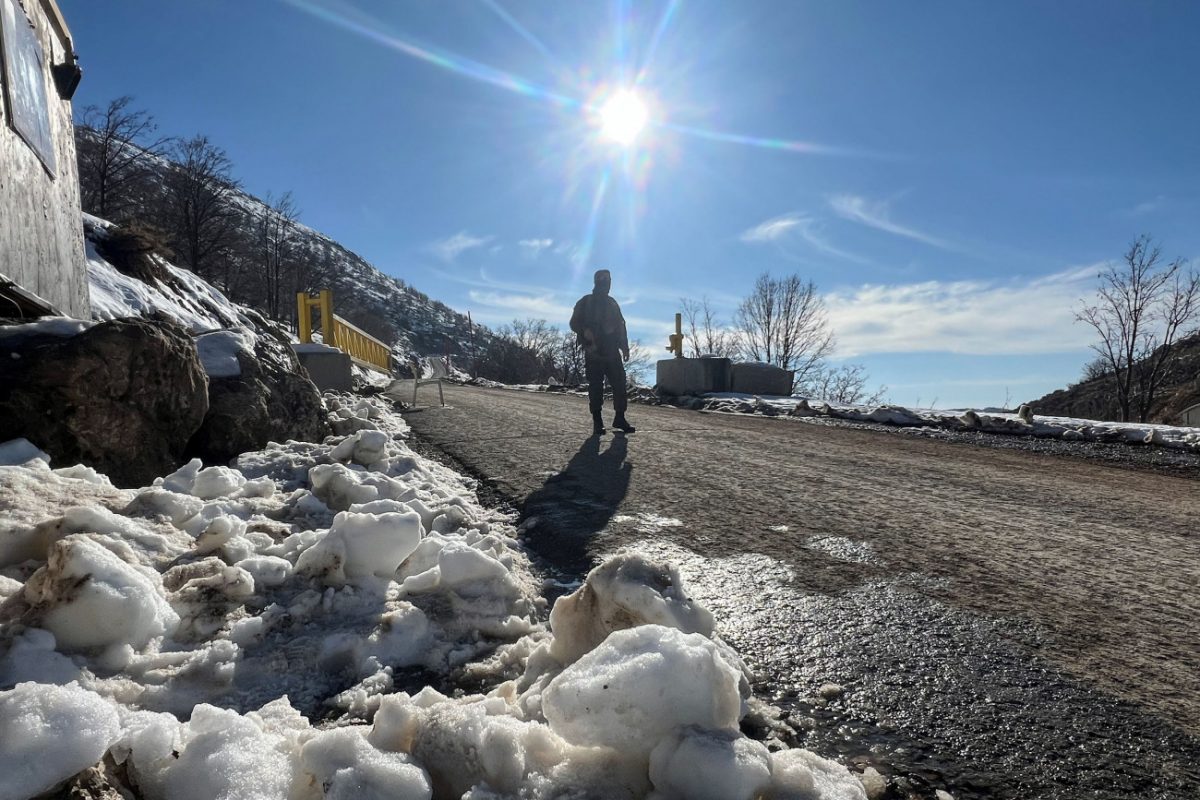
600,314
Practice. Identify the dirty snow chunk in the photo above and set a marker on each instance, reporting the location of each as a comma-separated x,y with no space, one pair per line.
458,565
464,744
626,590
641,684
340,487
365,448
267,570
87,596
156,501
804,775
182,479
350,768
51,733
224,756
16,452
362,544
80,472
217,482
694,764
400,640
219,351
32,657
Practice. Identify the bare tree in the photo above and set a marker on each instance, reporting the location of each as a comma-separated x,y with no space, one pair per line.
202,219
569,360
703,332
1141,310
844,384
639,363
276,234
783,322
116,146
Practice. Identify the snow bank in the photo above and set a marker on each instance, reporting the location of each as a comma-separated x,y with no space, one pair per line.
310,581
1012,424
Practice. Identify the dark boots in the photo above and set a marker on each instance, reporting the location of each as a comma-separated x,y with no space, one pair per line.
622,424
597,424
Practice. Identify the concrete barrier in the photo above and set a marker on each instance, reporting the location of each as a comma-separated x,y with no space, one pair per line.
328,368
760,379
679,376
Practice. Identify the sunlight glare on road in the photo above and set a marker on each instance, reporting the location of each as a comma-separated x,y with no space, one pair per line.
622,117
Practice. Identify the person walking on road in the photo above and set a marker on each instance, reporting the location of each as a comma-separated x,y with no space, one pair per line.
600,327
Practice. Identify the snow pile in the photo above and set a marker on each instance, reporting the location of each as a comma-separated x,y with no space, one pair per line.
284,606
185,297
999,422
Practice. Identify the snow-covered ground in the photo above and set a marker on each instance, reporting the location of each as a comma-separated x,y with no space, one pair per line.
261,630
1065,428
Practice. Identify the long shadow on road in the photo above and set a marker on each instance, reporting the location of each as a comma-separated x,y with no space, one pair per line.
578,502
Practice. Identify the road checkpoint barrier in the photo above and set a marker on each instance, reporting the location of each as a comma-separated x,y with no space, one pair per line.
363,349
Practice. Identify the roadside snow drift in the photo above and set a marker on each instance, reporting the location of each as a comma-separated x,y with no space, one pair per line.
263,630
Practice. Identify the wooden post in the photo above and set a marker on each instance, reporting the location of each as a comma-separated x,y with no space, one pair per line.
328,324
303,319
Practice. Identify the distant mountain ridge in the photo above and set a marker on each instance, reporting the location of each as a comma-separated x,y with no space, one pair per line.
1096,399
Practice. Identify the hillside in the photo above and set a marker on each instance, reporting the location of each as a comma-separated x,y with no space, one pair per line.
1095,399
236,226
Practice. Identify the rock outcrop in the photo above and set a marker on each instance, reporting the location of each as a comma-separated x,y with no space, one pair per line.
123,396
272,399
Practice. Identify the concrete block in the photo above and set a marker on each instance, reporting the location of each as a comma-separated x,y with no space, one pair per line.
679,376
760,379
328,368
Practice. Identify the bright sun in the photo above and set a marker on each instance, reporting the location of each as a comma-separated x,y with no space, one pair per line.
623,117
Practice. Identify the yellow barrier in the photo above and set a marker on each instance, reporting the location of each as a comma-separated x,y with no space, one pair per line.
364,349
676,338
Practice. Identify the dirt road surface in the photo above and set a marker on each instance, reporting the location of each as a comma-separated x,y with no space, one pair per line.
996,623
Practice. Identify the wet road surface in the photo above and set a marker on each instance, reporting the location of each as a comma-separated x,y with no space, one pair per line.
993,623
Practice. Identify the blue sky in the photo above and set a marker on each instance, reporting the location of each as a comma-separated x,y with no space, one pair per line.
949,174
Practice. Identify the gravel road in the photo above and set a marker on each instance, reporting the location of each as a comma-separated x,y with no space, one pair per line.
992,622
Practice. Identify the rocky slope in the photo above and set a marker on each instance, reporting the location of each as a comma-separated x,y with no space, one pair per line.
1095,399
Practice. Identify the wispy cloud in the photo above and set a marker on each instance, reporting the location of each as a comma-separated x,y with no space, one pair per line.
1147,207
1019,317
452,247
786,230
877,214
534,247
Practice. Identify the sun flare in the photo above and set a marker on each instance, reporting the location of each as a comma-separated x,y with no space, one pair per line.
622,117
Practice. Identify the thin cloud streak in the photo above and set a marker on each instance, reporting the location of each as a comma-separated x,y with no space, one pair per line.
783,230
449,249
878,216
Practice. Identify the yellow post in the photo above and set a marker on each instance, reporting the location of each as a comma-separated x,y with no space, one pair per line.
676,338
303,319
328,324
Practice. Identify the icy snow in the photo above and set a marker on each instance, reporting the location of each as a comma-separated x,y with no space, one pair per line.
299,584
50,733
219,351
46,326
16,452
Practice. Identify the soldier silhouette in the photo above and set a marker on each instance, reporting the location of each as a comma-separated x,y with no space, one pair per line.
598,323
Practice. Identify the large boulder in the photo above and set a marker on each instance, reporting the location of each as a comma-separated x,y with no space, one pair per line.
123,396
257,393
